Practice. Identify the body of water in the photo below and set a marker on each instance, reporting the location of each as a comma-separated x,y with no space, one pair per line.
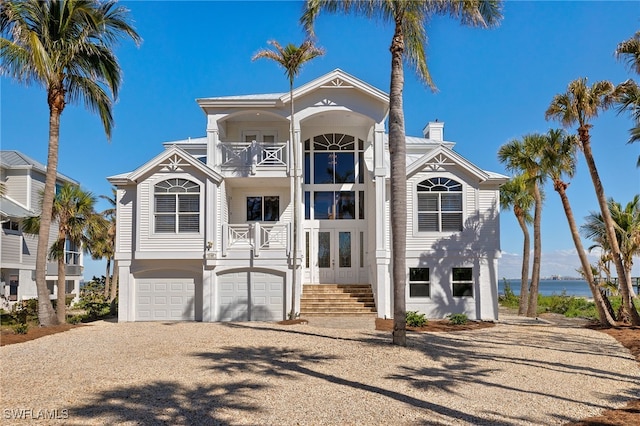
577,288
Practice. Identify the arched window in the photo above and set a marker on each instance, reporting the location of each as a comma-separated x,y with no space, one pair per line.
177,206
439,205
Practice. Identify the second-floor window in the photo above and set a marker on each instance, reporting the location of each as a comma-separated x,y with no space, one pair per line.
263,208
439,205
177,206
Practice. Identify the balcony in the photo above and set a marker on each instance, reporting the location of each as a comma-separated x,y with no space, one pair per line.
255,236
251,157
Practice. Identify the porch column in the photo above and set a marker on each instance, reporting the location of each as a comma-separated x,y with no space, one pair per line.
213,139
126,297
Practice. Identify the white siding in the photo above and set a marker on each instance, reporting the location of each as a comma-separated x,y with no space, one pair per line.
11,248
125,214
148,240
238,208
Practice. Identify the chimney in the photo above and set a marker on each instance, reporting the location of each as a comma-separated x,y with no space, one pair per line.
434,131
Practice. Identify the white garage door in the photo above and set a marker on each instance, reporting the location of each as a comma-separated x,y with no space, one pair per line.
265,291
165,299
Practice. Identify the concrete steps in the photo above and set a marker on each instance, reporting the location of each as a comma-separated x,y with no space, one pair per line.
337,300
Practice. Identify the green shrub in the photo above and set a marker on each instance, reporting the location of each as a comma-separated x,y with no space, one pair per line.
458,319
508,299
414,319
93,301
76,319
20,328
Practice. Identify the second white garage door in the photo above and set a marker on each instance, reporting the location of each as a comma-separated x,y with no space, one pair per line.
165,299
250,296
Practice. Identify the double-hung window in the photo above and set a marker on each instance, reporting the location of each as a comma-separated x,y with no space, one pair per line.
462,280
177,206
263,208
439,205
419,284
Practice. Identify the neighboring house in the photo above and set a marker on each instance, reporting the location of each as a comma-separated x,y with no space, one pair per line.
23,181
205,228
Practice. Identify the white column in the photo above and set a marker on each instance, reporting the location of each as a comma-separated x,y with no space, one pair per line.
126,293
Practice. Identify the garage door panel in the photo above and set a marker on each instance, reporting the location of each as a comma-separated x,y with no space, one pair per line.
267,294
165,299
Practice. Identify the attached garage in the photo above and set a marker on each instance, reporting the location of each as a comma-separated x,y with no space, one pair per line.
250,296
165,299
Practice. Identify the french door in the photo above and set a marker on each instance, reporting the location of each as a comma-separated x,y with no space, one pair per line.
336,259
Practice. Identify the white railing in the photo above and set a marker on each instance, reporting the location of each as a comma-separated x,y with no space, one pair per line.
256,237
253,155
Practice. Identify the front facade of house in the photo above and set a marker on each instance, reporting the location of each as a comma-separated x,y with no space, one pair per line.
206,228
23,181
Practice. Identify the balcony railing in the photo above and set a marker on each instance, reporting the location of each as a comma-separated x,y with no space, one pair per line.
255,236
253,155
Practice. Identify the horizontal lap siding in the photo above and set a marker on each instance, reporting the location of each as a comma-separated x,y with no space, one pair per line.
170,242
11,248
126,212
489,206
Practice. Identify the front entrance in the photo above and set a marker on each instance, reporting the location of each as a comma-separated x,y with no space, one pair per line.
335,256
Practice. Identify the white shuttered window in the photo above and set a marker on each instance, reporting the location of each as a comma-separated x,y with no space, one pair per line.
439,205
177,206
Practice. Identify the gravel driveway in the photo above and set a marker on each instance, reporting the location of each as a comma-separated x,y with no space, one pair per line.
263,373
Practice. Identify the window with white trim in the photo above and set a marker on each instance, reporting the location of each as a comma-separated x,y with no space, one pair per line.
263,208
177,206
419,283
439,205
462,281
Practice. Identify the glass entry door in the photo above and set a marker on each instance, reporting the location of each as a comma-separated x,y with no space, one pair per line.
335,260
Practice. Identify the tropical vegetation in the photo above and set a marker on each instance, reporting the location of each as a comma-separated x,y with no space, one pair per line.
408,43
66,47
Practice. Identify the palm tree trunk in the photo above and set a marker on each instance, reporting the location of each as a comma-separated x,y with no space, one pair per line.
106,277
398,160
532,308
61,304
623,278
602,303
294,263
524,276
114,284
46,314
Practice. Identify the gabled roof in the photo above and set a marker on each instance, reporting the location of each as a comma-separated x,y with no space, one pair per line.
173,159
337,79
17,160
441,156
12,210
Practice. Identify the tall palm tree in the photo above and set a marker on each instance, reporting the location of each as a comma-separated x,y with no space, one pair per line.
292,58
517,194
579,105
73,211
627,99
409,18
66,47
102,244
559,160
627,224
524,156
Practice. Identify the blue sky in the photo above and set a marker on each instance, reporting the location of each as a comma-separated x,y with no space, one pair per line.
493,86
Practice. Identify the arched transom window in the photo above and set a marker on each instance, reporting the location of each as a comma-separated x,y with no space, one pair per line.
439,205
177,206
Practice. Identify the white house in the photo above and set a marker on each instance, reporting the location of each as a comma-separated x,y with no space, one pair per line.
205,228
23,180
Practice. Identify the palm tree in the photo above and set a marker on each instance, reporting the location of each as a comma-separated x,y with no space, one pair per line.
627,225
524,156
558,160
291,58
579,105
627,98
629,50
409,18
102,245
66,47
76,218
516,193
